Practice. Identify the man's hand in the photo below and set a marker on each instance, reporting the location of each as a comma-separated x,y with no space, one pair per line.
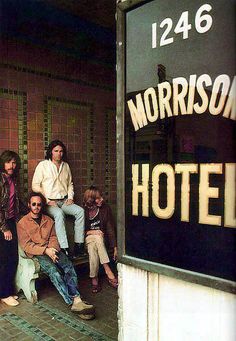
52,253
69,202
7,235
52,203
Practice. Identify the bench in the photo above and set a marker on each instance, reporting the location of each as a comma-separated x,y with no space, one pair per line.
28,269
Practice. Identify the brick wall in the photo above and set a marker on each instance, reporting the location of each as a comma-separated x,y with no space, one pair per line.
45,96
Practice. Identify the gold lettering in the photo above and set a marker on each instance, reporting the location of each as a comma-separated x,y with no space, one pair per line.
168,211
185,170
230,195
142,189
206,193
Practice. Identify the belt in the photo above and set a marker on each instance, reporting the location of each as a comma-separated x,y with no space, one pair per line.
58,199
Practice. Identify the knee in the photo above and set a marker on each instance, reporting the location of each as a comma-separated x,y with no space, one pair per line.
92,249
69,270
79,212
100,240
54,274
59,215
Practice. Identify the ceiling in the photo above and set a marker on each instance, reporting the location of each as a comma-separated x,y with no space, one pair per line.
84,29
101,12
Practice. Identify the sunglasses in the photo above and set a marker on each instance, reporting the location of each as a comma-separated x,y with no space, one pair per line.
36,204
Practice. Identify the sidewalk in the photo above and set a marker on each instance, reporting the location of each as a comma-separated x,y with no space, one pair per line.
50,319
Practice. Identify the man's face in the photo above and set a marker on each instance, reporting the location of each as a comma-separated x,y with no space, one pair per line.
10,167
99,200
35,205
57,153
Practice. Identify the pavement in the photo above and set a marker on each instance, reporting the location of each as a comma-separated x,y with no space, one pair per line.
52,320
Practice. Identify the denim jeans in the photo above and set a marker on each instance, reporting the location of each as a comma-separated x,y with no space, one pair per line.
62,275
58,213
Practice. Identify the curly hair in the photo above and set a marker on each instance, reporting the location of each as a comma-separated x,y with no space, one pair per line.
90,196
52,145
7,156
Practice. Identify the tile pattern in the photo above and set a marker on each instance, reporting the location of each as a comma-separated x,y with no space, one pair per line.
110,156
26,327
90,147
51,319
21,98
72,122
53,76
73,323
55,84
21,325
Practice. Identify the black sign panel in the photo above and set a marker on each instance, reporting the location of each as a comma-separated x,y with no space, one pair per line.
179,135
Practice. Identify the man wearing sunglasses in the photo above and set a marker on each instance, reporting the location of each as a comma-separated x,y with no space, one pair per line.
37,237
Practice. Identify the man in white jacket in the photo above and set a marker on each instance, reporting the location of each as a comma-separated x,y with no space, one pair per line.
52,178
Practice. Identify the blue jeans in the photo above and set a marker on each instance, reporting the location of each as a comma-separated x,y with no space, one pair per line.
58,213
62,275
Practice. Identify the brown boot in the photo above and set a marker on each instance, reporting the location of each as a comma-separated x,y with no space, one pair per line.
83,308
86,317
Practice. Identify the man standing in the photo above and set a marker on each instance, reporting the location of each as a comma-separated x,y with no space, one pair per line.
9,211
53,179
37,237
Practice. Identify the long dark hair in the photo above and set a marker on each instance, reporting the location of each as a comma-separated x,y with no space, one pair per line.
7,156
52,145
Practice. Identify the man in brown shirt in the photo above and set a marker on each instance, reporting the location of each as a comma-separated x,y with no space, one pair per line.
37,237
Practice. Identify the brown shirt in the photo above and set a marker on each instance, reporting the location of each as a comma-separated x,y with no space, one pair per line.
34,238
107,224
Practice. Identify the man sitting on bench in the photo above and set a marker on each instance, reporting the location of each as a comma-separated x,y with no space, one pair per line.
37,237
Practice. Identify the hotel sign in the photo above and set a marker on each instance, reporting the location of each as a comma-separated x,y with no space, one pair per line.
176,138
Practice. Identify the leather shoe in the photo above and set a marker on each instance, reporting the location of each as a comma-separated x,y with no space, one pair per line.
79,250
87,317
83,308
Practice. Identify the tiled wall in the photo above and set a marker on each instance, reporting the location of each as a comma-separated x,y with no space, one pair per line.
58,98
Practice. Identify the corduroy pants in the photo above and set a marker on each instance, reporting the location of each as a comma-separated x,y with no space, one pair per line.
97,253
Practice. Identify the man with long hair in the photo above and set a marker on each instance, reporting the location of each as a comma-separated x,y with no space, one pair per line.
52,178
38,239
9,212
